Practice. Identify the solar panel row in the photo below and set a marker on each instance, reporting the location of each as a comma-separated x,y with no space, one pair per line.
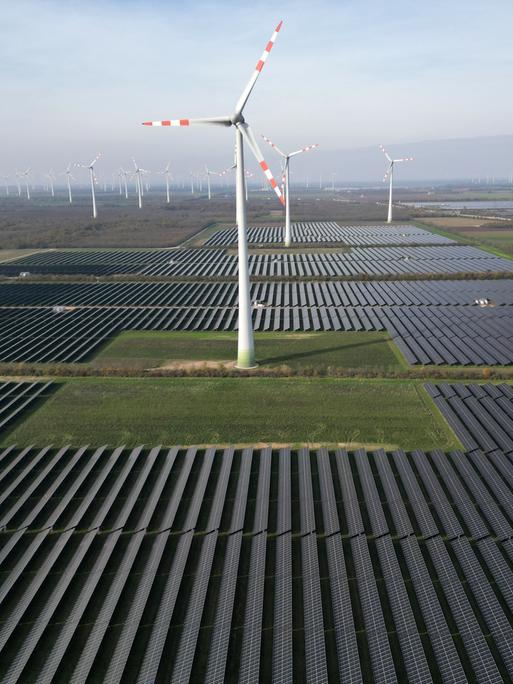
425,335
316,232
116,558
279,294
218,263
17,397
480,415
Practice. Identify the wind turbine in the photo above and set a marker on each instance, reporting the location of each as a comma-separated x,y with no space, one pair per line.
165,173
285,177
24,174
215,173
248,175
389,173
17,176
69,176
138,182
50,177
125,175
209,173
93,180
246,349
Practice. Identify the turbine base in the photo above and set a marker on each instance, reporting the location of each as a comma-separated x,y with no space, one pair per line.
246,360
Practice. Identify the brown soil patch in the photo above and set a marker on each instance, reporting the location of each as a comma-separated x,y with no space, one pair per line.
469,224
194,365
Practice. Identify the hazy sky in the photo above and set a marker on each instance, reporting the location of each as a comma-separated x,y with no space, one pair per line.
78,77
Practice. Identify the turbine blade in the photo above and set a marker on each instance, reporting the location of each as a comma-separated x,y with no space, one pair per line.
260,65
403,159
385,153
270,142
95,159
304,149
216,121
253,145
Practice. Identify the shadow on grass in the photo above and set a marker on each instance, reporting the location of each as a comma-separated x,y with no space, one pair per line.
317,352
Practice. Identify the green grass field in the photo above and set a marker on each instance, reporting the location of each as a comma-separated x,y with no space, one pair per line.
296,350
168,411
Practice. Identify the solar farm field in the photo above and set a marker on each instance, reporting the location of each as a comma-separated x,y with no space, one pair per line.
316,527
254,565
233,410
432,322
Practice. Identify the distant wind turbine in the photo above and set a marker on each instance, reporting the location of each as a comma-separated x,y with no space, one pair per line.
93,180
69,177
246,351
6,181
50,177
24,174
389,173
285,179
139,182
165,173
125,175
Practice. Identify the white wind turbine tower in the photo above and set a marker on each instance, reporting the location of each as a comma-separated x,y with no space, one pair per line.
285,178
17,176
246,351
69,177
93,180
125,175
215,173
24,174
138,182
6,181
165,173
50,177
209,173
389,173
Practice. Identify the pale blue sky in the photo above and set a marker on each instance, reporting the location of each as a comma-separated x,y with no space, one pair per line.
78,77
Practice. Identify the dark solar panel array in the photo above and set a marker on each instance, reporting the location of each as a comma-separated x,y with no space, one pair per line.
112,560
280,294
86,261
316,232
358,261
218,263
480,415
448,335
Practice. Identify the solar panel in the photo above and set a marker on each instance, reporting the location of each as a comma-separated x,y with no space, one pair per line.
349,496
372,501
252,634
316,668
218,651
381,658
490,609
473,639
447,660
306,504
282,655
414,658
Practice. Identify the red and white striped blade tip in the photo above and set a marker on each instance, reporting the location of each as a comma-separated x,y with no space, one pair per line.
167,122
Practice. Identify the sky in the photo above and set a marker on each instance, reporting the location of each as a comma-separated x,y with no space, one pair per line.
80,77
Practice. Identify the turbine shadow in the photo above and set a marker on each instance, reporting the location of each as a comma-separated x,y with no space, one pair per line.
316,352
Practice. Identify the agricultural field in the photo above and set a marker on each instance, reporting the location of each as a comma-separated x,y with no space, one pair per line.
133,411
495,235
314,351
